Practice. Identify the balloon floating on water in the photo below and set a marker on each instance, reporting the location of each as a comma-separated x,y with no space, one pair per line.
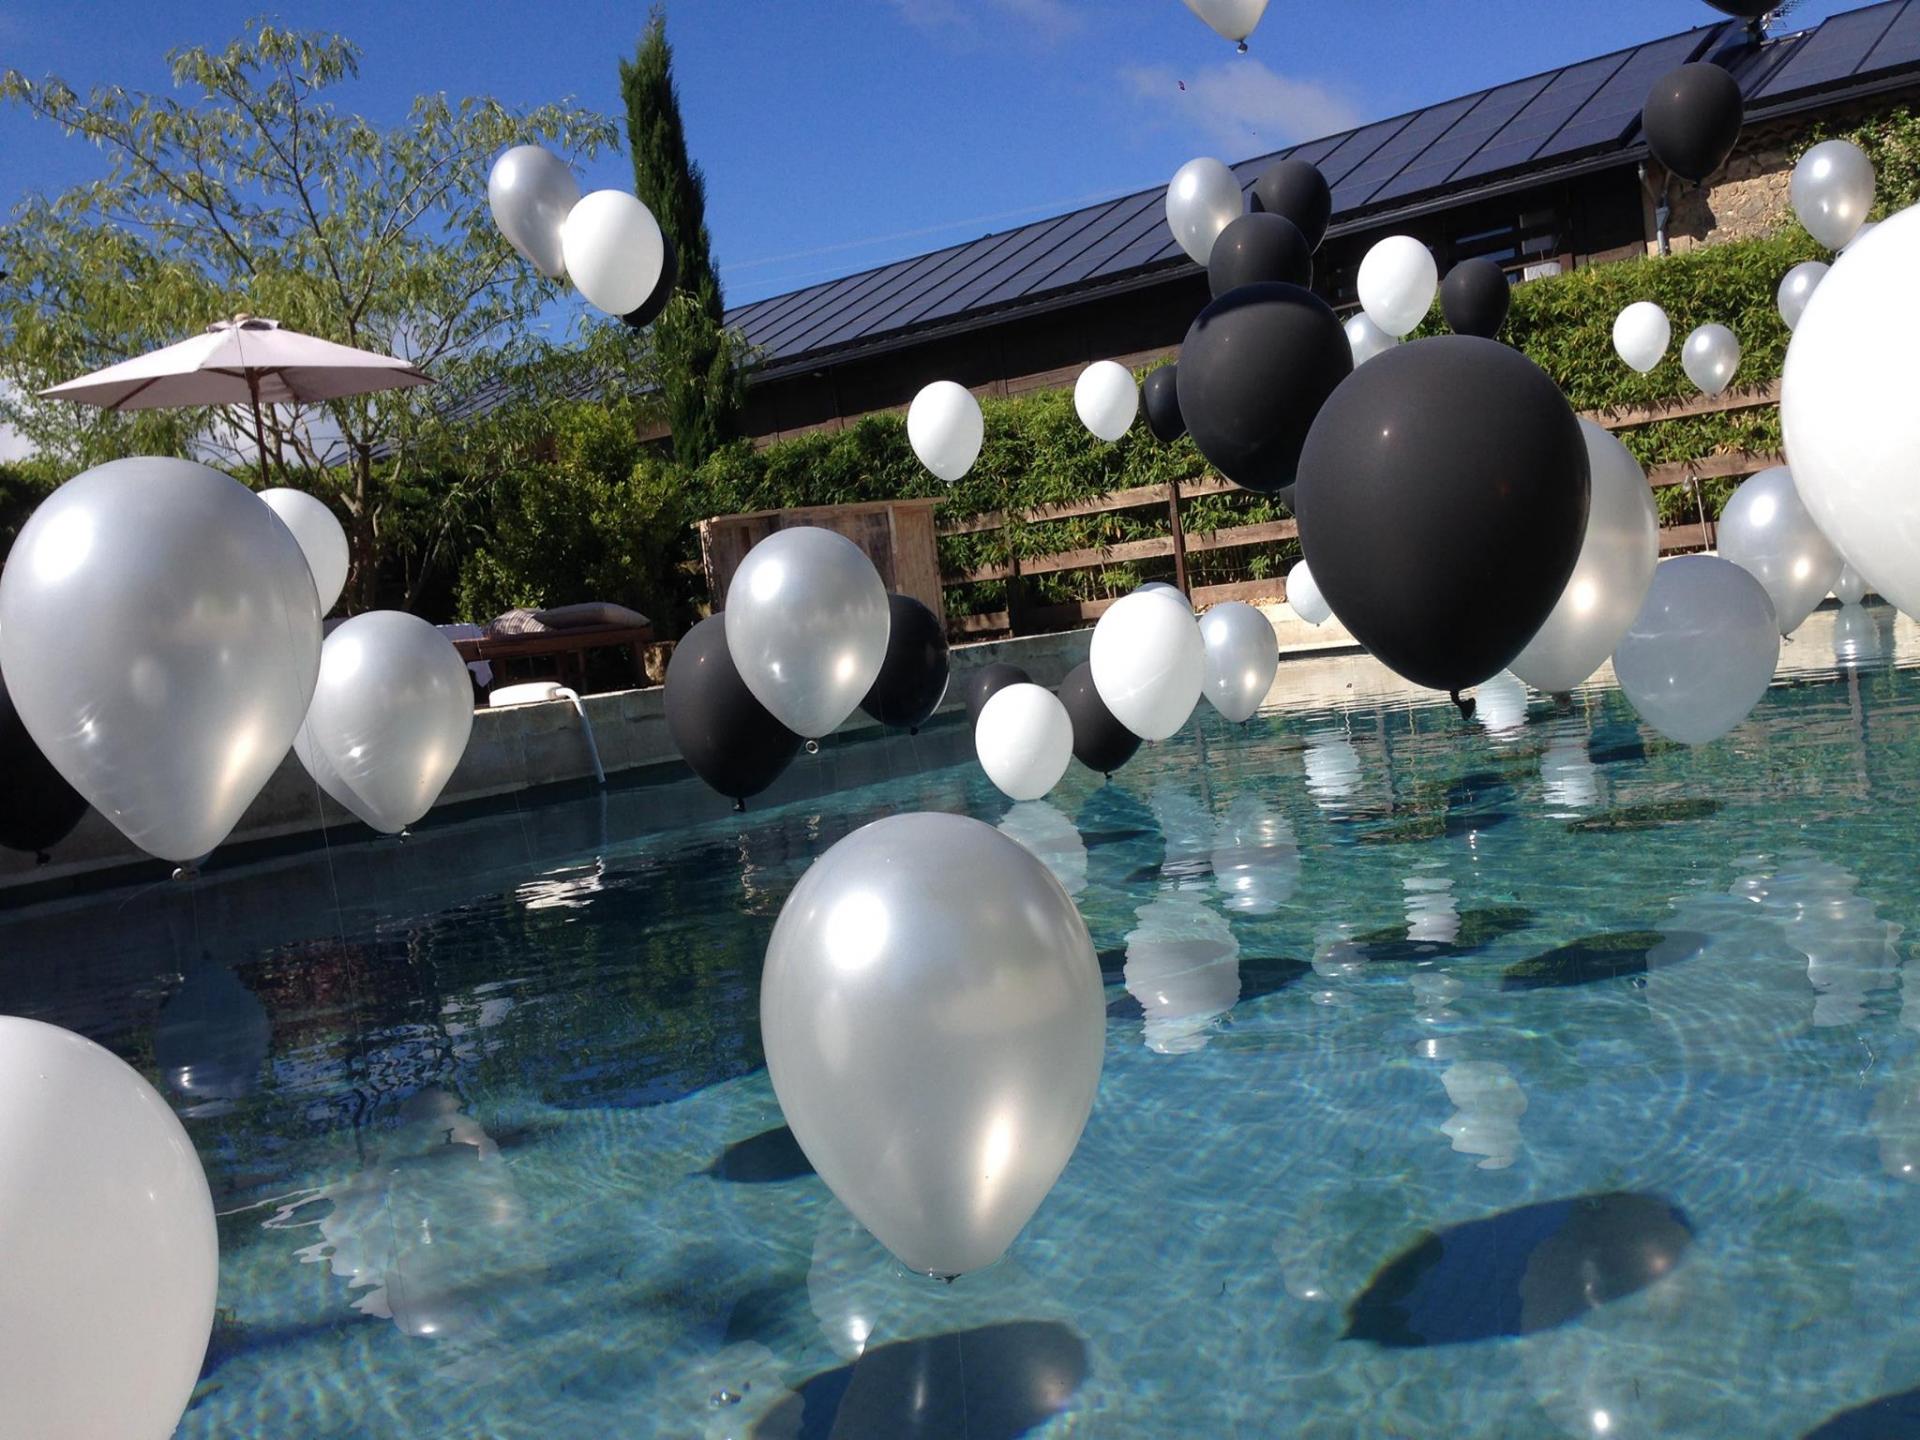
1305,597
1767,532
1024,740
1100,741
728,737
1700,653
988,681
1149,664
913,677
1242,658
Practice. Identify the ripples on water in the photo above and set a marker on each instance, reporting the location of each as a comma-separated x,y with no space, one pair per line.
1529,1076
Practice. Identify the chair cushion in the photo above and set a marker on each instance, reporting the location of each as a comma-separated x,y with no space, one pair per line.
589,612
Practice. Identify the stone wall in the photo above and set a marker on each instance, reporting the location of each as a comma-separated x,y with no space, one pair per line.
1744,198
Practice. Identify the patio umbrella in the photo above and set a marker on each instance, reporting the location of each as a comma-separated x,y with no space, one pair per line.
242,361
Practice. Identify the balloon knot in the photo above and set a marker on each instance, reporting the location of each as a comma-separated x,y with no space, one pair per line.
813,747
43,858
913,729
1241,48
186,872
740,807
1467,705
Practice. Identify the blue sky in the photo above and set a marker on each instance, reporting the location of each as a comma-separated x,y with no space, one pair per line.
839,134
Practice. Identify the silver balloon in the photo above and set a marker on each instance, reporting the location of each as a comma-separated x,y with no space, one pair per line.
1609,580
531,191
1242,658
1856,638
1797,287
1202,199
1710,357
160,635
1367,339
1303,594
934,1026
1849,589
807,624
1832,191
1767,532
390,718
321,539
1700,653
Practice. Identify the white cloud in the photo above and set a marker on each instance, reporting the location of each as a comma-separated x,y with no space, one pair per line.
1241,108
1046,22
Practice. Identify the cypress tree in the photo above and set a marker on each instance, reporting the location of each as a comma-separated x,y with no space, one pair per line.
701,385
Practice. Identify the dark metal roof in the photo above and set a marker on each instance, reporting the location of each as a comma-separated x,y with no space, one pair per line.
1563,121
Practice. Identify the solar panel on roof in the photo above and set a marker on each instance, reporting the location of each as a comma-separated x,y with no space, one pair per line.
1357,187
1432,166
1834,51
1541,118
1614,109
1901,44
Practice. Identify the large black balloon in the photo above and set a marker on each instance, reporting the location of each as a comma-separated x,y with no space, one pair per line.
913,678
1297,190
989,680
1692,119
1100,742
729,738
1255,368
1442,502
38,809
1256,247
1474,298
1745,9
1160,398
662,291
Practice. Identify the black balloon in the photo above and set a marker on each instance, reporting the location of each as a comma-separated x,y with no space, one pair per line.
1256,247
913,678
1745,9
1474,298
1692,119
1442,502
1255,368
729,738
1297,190
1160,398
38,809
656,300
1100,742
988,681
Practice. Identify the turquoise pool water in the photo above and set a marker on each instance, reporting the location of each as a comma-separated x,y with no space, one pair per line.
1521,1077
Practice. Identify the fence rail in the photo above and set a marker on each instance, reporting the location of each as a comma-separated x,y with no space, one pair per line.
1178,542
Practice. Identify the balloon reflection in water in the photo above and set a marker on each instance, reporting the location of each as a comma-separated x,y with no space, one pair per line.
1861,636
1570,782
1851,952
1183,966
1333,768
1050,837
1501,705
1432,914
1488,1103
211,1039
1256,862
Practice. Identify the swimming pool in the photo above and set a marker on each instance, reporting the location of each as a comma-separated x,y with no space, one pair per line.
1527,1076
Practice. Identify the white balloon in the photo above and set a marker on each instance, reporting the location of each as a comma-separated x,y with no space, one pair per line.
321,539
1230,19
1796,288
1149,664
1710,357
390,718
107,1242
160,635
1165,592
934,1024
945,428
1610,578
1367,339
1832,191
1849,589
807,626
1700,653
1202,199
531,192
1106,399
1242,658
1641,334
1397,282
1767,532
613,250
1847,408
1024,739
1305,597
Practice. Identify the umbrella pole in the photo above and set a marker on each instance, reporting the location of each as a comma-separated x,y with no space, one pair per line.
259,434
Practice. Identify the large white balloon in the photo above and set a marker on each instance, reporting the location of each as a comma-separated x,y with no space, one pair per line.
613,250
1796,288
807,625
1710,357
934,1025
1700,653
1149,664
1767,532
160,635
1832,191
1024,738
1303,594
531,192
1847,408
390,718
945,428
1641,334
321,539
1610,578
1367,339
1397,282
1106,399
1242,658
1202,199
1230,19
107,1243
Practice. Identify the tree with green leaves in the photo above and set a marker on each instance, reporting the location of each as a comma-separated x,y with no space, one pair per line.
246,189
698,359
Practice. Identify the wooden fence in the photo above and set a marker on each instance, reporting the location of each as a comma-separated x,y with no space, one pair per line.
1023,619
